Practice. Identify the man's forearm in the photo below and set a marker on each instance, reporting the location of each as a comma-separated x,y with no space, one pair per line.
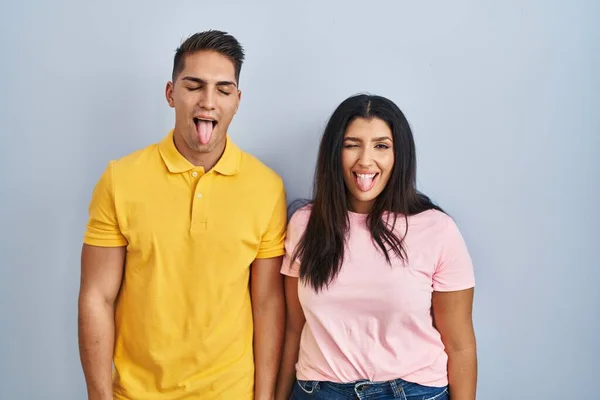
269,322
462,374
96,344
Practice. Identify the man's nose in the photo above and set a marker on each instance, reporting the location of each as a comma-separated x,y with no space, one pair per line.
207,100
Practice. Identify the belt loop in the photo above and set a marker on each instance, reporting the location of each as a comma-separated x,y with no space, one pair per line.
397,390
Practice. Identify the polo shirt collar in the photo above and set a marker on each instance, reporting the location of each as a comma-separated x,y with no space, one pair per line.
228,164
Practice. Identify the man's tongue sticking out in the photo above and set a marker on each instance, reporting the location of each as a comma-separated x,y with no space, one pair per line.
205,130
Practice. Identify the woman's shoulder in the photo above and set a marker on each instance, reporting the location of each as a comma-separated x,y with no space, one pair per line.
432,216
299,213
431,222
436,223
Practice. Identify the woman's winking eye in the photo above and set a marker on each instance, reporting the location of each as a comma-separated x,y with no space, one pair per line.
352,144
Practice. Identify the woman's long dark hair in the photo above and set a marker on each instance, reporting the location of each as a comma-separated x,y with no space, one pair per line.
321,247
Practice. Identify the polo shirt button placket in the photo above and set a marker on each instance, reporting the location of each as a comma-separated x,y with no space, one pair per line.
199,206
195,175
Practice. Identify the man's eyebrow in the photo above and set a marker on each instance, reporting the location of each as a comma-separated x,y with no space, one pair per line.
226,83
203,82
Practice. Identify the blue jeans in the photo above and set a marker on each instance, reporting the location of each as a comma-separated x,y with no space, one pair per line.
365,390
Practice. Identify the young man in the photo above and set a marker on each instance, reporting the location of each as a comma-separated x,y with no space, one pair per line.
180,284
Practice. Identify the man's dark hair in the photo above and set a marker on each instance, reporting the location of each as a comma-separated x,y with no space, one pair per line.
211,40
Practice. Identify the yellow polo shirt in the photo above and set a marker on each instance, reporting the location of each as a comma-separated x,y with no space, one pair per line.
183,317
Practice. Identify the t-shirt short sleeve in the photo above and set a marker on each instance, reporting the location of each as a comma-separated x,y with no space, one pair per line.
454,270
103,227
295,230
271,244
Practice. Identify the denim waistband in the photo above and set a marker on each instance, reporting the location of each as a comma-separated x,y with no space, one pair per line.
364,389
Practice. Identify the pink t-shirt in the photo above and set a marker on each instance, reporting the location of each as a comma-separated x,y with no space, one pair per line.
374,322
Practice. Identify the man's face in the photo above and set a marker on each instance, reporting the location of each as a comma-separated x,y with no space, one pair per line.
205,97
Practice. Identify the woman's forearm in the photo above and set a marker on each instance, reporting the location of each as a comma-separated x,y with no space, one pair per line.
287,370
462,374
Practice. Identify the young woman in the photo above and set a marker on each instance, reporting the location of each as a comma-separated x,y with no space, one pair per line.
379,282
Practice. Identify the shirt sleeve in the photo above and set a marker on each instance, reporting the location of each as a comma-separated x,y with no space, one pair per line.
103,227
454,270
295,231
271,244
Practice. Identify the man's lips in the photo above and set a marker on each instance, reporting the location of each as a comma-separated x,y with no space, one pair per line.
205,118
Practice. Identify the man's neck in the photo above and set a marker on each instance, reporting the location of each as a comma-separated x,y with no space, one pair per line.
199,159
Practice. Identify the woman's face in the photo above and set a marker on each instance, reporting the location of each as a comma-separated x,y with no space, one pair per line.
367,161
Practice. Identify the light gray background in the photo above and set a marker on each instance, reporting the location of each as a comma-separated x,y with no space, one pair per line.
503,98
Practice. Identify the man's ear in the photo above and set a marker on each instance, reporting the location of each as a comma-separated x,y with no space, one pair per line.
169,94
239,94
